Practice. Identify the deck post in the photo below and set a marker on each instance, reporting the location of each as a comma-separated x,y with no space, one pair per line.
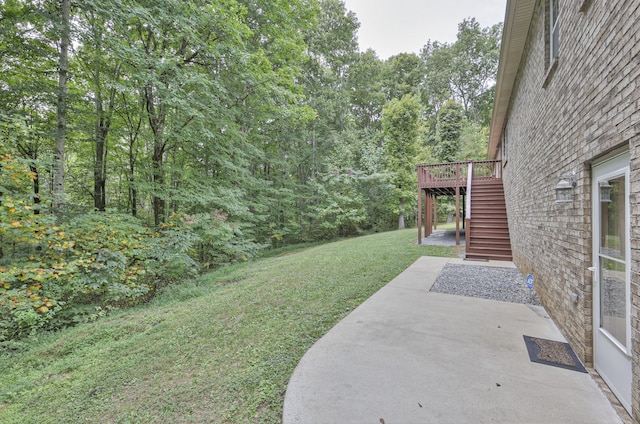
457,204
464,209
419,216
435,212
427,215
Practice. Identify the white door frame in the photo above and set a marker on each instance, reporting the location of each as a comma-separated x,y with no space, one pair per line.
612,357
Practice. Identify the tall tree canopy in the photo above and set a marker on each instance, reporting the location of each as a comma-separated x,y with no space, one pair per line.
400,124
143,140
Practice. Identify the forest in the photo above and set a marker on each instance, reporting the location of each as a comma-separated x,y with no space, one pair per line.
143,142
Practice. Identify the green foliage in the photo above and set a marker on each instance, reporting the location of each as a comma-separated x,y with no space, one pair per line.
473,142
55,274
204,132
465,70
343,212
367,92
213,241
400,123
450,122
220,348
402,75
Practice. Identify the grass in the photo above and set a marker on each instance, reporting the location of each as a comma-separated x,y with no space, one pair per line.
448,225
220,348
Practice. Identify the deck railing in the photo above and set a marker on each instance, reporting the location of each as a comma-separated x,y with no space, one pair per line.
454,174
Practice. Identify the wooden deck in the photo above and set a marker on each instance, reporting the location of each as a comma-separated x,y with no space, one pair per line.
445,177
458,179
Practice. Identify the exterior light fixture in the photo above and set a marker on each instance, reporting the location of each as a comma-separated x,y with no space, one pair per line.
564,189
605,192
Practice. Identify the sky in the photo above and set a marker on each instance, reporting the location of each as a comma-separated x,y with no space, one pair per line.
403,26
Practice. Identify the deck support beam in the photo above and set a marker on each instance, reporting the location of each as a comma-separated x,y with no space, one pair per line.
420,190
458,204
457,216
427,220
435,212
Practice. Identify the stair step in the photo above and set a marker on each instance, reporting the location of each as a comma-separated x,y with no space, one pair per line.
491,205
486,190
478,195
488,234
475,191
491,236
485,252
488,250
489,257
482,213
487,199
480,222
504,240
488,207
488,228
481,217
487,182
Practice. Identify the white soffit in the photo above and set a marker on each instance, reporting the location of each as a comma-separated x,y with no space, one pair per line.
514,36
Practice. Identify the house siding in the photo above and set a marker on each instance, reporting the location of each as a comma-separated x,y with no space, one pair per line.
558,123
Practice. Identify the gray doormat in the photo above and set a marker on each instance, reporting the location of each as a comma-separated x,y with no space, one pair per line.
549,352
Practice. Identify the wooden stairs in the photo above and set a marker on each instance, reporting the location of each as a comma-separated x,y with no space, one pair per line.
487,233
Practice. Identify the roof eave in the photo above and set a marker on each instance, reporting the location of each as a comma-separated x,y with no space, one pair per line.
518,16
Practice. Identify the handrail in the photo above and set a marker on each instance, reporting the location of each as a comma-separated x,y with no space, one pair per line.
439,175
469,179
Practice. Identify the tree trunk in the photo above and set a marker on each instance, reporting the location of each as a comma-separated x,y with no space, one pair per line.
36,189
156,122
134,123
61,106
401,225
158,183
99,169
103,122
133,193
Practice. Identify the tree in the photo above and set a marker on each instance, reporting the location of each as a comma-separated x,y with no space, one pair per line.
475,64
61,104
435,89
101,71
473,142
402,75
366,89
450,122
400,124
186,58
465,70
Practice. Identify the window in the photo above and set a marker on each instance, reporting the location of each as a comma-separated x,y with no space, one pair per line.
553,28
551,38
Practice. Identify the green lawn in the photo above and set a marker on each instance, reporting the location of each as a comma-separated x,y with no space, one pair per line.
449,226
217,349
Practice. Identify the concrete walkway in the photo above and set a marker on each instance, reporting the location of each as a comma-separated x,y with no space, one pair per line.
407,355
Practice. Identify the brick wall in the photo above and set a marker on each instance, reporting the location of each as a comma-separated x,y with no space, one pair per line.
560,121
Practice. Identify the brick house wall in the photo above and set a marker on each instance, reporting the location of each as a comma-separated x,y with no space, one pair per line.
561,118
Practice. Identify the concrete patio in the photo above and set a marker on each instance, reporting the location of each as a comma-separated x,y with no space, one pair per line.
408,355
